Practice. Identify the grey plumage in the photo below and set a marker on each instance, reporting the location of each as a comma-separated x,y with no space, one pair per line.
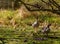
46,30
35,24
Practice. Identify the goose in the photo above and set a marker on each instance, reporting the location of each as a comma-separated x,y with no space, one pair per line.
36,23
46,29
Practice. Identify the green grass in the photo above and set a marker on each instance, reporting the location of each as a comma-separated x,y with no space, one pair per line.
23,31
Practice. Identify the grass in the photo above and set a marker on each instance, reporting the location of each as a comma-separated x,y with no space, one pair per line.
23,33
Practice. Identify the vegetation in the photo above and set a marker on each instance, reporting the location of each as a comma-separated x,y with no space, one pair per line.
15,30
21,32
